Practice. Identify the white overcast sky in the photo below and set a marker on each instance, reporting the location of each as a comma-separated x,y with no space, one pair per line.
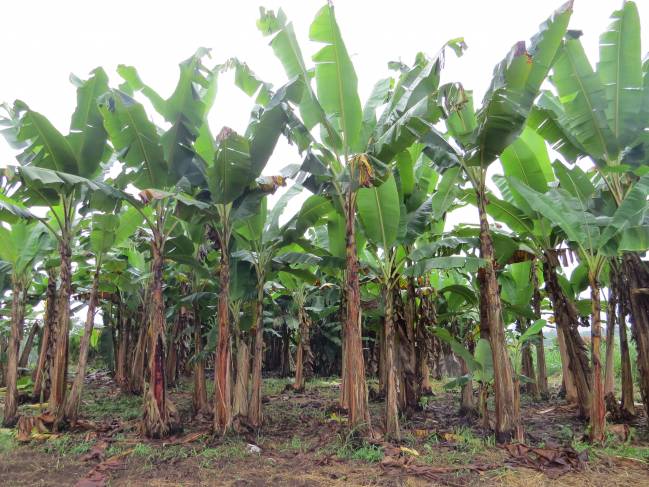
45,41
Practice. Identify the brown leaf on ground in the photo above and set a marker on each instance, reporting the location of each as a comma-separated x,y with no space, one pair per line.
33,428
189,438
401,461
422,433
554,462
548,410
96,452
98,476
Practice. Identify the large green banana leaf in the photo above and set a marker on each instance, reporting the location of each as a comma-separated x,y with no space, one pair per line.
336,82
620,71
87,134
47,148
565,211
550,121
11,211
379,211
516,82
287,49
136,138
584,99
21,244
102,232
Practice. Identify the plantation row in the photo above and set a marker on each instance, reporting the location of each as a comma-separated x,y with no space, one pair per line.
195,271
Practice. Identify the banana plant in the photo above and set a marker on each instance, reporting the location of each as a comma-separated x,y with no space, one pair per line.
304,355
295,287
600,114
527,160
596,237
163,165
336,108
201,294
353,151
233,164
106,231
393,216
58,171
260,240
517,292
456,303
21,246
480,138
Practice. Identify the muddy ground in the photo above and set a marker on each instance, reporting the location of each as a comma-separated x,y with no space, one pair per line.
304,443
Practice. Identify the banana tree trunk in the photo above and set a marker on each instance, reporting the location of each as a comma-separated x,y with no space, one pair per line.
29,344
636,274
136,375
285,362
171,363
42,376
304,356
240,401
597,407
112,324
383,376
122,346
437,358
17,319
343,355
527,368
4,341
567,319
611,314
541,372
507,418
160,418
354,366
628,407
222,364
199,398
74,399
467,402
627,404
60,360
425,387
406,350
298,383
568,380
427,318
392,430
255,413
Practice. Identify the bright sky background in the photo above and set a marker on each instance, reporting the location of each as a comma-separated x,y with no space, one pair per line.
45,41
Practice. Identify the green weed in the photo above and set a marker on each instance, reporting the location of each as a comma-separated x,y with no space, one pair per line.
142,450
432,455
614,448
124,406
114,450
227,451
152,455
7,441
274,386
295,444
366,453
66,446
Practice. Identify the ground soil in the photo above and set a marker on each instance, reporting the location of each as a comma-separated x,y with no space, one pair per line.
304,442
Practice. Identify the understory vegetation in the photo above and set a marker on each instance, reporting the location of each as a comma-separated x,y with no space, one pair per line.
175,311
